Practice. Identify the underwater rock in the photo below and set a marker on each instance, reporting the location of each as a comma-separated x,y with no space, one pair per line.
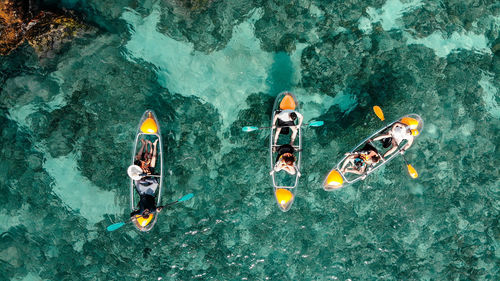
13,16
207,24
45,31
52,30
11,256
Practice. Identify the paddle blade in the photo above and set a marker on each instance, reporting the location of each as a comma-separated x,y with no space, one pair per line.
186,197
316,124
115,226
249,129
413,173
378,111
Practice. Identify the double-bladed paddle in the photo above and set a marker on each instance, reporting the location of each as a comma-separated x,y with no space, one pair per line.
115,226
252,128
380,114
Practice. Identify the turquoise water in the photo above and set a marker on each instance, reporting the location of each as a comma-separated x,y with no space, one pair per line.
207,68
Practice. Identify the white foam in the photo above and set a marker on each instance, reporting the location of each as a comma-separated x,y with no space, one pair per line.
78,192
315,11
19,114
365,25
490,94
8,221
389,15
32,277
443,46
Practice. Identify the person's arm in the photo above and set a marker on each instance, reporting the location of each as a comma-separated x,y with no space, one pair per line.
301,118
381,137
139,154
348,160
407,145
289,170
153,160
274,120
279,166
136,212
297,169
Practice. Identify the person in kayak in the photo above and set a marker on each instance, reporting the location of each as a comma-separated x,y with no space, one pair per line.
146,187
147,160
286,160
285,121
397,134
361,160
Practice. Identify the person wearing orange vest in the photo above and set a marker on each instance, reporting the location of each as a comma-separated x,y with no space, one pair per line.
361,160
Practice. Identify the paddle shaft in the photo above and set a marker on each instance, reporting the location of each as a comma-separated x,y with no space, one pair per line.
303,125
170,204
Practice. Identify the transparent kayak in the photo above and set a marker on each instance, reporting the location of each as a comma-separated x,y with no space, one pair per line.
284,184
148,129
335,179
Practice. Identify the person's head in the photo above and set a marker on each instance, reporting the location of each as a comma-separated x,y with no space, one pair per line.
288,158
145,214
293,116
375,158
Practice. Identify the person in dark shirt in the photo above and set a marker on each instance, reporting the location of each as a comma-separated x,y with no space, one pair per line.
146,187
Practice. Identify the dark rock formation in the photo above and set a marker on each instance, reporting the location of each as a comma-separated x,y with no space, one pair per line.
45,31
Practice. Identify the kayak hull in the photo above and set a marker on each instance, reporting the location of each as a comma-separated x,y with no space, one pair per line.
336,180
284,193
148,128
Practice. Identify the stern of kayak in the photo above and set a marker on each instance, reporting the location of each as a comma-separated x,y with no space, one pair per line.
333,181
284,198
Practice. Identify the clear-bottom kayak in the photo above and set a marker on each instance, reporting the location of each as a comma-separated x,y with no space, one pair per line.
284,183
148,132
356,164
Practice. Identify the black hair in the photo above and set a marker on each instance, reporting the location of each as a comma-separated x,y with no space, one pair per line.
293,116
289,159
375,158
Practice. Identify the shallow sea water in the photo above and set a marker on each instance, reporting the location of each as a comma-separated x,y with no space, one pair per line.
207,68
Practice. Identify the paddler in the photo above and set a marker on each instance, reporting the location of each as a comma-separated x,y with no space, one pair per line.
286,160
361,160
399,132
147,159
286,119
146,187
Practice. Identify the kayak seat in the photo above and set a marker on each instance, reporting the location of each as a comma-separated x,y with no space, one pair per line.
287,103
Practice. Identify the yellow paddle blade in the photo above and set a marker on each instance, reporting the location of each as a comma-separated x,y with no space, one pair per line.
378,111
412,171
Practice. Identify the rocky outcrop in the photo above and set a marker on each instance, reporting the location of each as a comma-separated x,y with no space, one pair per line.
45,31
